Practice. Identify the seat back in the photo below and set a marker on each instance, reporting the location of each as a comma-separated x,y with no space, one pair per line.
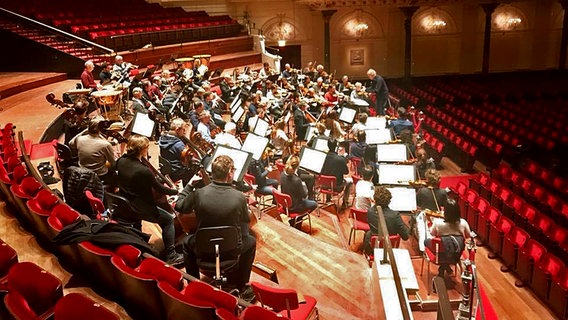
393,238
120,208
77,306
551,265
253,312
534,250
283,200
276,298
30,186
96,204
221,240
19,173
39,289
358,214
327,182
46,199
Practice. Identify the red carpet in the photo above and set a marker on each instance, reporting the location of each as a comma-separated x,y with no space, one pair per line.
452,181
42,151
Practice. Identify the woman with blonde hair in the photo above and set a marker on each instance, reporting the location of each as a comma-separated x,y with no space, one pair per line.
292,185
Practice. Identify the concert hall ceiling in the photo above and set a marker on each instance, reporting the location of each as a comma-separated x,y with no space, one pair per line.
331,4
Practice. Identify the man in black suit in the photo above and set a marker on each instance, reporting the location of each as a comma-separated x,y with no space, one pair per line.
300,121
379,87
336,165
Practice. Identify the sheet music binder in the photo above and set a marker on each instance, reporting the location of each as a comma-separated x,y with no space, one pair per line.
240,158
312,159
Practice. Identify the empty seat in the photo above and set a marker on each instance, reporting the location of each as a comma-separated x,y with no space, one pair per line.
528,257
77,306
513,242
499,231
558,297
548,268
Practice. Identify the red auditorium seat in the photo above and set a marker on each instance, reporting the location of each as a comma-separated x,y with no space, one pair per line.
547,270
526,216
465,206
8,258
485,220
513,207
61,216
181,306
285,301
558,297
77,306
514,241
481,180
500,198
474,213
528,257
257,312
460,189
33,292
499,231
540,227
490,191
40,208
97,258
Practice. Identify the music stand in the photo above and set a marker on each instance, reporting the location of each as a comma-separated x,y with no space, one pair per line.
238,114
255,144
312,159
143,125
321,144
240,158
310,132
261,127
391,153
236,103
347,115
273,78
392,174
376,123
376,136
403,199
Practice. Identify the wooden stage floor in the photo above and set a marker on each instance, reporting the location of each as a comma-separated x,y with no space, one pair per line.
321,265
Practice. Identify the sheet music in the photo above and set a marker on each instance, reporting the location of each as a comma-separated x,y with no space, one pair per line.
347,115
396,174
376,123
311,159
359,102
240,158
143,125
310,132
403,199
321,144
255,145
391,153
237,102
238,114
376,136
261,128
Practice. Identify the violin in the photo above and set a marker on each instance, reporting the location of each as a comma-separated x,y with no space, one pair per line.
434,213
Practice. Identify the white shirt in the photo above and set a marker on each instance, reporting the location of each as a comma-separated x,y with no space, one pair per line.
358,126
364,191
227,139
205,133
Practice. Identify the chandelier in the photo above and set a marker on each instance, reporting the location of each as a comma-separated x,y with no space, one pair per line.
433,24
507,21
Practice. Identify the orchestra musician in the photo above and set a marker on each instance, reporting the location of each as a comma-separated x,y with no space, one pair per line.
401,122
287,72
72,126
359,93
203,126
364,189
331,123
292,185
336,165
227,90
320,132
219,204
138,184
138,105
357,149
280,140
423,163
361,123
260,170
345,86
198,108
393,220
120,68
453,230
106,74
300,121
428,199
265,72
379,87
227,137
87,79
95,152
331,97
171,148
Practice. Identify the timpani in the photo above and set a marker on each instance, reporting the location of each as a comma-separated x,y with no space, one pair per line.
187,62
108,98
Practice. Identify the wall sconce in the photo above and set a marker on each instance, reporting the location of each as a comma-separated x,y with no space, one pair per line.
357,26
507,21
433,24
282,43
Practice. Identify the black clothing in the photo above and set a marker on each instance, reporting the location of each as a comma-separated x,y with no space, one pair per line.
301,124
258,169
105,77
75,181
357,149
136,183
425,198
105,234
219,204
394,222
335,165
379,87
292,186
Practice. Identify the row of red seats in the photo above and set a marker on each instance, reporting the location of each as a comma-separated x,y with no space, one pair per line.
136,14
80,29
430,98
403,94
543,271
460,150
33,293
525,186
490,151
446,91
533,218
435,147
548,177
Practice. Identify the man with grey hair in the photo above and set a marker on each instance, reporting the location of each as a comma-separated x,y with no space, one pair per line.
171,148
227,138
87,78
378,86
138,104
